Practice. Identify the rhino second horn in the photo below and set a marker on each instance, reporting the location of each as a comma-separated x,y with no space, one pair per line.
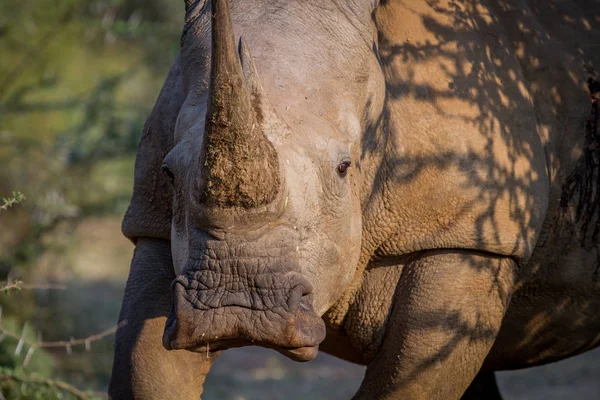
263,108
240,167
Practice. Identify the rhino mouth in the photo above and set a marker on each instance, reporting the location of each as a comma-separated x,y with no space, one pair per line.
214,311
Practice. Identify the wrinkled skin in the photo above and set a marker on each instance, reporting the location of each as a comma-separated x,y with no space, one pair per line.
457,243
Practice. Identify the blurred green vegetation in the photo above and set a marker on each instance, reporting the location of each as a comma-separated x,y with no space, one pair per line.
77,80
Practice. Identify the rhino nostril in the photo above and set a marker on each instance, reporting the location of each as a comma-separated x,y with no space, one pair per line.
300,297
303,305
306,291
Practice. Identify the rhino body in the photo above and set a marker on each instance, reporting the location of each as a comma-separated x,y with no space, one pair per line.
412,186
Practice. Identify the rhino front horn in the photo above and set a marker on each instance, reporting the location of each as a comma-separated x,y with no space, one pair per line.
240,167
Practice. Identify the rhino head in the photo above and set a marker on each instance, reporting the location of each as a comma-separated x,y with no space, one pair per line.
266,228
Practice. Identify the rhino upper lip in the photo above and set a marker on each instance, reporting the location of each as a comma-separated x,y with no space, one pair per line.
214,311
304,289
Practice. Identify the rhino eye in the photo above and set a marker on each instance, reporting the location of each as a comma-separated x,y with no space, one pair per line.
342,169
168,173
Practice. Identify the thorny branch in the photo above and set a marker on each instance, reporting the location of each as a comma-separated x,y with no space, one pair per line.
9,286
8,202
67,344
9,376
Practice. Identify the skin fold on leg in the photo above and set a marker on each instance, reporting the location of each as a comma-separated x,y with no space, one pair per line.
446,314
142,368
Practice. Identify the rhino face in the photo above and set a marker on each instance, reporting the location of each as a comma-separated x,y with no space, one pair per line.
266,229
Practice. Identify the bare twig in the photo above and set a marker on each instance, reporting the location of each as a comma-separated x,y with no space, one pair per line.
64,343
10,286
18,285
43,286
21,341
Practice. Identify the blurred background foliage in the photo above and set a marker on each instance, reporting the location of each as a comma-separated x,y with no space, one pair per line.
77,80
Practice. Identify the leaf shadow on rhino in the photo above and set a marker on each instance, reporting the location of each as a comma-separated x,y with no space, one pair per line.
548,49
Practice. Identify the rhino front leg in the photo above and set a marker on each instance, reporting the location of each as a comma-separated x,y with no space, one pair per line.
447,311
142,368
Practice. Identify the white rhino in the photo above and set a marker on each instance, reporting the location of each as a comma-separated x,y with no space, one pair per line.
408,185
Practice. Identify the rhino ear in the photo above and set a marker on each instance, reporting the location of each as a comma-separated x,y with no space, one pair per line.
249,69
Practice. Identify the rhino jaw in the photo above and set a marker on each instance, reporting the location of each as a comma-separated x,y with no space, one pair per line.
240,312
